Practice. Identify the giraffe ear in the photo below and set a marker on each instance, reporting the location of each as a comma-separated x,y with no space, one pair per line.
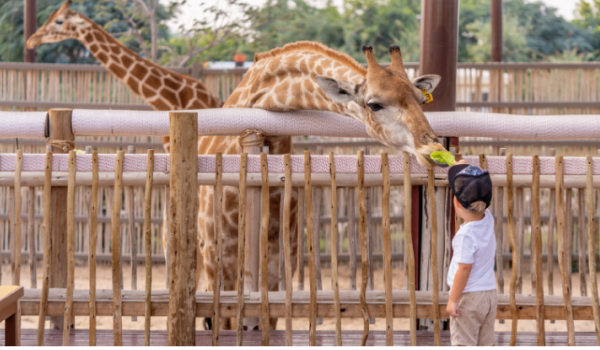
429,82
338,90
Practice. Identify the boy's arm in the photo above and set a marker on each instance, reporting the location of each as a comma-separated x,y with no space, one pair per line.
460,282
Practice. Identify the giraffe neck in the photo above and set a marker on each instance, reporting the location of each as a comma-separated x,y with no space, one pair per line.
159,87
287,83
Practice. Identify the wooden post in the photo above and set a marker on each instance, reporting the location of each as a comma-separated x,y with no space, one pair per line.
92,249
70,247
589,191
520,199
434,263
312,328
582,242
334,251
499,229
352,236
301,239
62,140
241,250
148,245
18,232
183,228
536,227
218,238
409,250
47,246
287,250
387,251
563,255
514,242
31,235
551,227
252,144
130,208
264,250
362,230
116,251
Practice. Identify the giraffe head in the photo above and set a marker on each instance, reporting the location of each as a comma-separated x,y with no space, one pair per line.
61,25
390,105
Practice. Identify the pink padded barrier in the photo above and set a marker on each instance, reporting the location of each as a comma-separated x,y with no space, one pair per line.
233,121
30,125
319,164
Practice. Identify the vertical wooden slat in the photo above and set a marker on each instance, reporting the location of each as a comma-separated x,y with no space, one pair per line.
434,263
148,245
334,251
93,243
514,242
520,233
370,234
31,235
409,249
352,236
18,233
116,250
218,238
47,246
301,239
499,210
264,250
287,250
70,247
281,272
551,227
589,191
183,228
563,256
387,250
581,249
362,230
241,249
130,208
310,225
536,228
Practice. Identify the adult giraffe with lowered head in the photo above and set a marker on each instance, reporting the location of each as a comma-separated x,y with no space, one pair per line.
310,76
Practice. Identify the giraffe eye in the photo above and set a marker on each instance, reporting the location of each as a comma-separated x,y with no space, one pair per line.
59,21
375,106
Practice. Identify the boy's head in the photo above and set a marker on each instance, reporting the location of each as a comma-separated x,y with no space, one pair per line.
471,186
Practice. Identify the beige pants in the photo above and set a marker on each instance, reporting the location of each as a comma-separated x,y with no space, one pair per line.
475,325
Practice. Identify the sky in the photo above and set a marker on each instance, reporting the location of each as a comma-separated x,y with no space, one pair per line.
190,10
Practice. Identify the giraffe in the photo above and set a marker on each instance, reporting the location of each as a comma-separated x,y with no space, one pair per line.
310,76
161,88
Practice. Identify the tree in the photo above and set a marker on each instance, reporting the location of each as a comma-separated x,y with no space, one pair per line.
219,31
587,17
514,41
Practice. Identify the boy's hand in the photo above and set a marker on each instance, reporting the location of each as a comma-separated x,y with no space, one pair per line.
452,309
462,161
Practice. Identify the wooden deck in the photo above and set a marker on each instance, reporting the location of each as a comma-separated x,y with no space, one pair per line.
79,337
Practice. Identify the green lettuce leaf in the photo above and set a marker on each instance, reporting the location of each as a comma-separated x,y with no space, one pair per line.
443,157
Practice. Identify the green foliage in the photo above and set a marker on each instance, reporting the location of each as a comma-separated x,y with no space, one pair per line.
514,37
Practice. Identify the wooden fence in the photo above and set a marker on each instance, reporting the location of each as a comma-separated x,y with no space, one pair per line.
519,88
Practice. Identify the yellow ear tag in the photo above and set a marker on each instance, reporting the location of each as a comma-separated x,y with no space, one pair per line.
428,96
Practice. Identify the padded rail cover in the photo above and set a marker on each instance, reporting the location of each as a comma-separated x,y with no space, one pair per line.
233,121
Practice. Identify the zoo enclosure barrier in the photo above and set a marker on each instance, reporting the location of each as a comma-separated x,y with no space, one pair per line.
297,171
519,88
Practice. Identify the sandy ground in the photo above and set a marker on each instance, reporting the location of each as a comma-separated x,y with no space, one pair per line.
159,278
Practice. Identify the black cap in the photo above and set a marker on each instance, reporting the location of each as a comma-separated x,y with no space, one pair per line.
470,184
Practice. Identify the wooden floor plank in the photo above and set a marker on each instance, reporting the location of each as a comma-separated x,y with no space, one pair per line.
79,337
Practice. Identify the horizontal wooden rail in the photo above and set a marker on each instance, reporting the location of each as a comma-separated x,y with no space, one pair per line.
278,179
84,105
133,304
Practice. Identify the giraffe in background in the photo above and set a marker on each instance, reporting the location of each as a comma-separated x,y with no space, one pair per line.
161,88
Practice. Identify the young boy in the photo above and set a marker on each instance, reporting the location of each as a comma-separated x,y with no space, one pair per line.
472,302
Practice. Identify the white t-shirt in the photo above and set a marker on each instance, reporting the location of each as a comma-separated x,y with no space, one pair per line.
475,243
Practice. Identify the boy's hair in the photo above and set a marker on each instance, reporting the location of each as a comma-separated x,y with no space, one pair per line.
477,207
